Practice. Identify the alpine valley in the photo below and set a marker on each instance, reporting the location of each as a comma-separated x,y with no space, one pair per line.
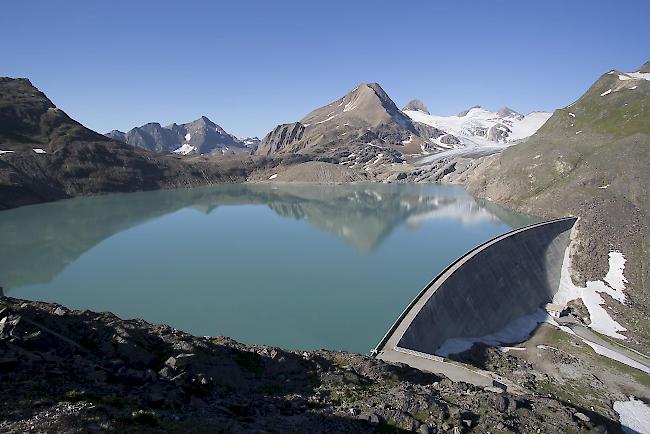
72,370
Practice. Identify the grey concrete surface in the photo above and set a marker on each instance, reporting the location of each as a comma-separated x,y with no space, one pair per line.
506,278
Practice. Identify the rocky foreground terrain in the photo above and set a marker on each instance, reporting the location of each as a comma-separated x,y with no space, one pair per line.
81,371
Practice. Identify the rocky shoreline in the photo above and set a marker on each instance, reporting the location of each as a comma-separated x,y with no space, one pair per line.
83,371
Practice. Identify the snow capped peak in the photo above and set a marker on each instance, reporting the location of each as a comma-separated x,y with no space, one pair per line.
466,112
478,126
365,105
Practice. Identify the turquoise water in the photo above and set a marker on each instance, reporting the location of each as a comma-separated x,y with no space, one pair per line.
294,266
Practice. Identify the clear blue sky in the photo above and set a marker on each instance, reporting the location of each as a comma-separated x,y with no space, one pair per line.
250,65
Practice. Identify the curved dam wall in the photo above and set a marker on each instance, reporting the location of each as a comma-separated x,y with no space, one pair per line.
483,292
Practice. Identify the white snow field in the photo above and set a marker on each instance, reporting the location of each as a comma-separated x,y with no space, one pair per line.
613,284
472,128
515,331
634,415
614,355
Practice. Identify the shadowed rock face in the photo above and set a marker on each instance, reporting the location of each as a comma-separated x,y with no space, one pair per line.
492,287
38,243
366,115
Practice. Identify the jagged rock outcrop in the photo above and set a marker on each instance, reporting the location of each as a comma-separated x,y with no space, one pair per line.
282,137
416,104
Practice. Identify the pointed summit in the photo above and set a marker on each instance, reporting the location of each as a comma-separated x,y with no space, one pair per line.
416,105
365,115
645,68
367,105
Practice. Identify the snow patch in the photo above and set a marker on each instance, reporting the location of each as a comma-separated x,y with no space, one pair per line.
601,321
39,151
572,115
615,276
634,416
349,106
614,355
634,76
327,119
185,149
603,187
188,136
578,132
5,152
515,331
607,92
275,175
632,88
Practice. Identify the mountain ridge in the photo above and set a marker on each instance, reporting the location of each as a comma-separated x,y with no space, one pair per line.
201,136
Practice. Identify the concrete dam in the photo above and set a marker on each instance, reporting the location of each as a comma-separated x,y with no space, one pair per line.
498,286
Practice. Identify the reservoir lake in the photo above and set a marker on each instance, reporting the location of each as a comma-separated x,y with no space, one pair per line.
290,265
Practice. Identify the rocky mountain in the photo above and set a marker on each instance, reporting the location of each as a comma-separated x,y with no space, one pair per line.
251,142
416,105
45,155
590,159
201,136
478,126
362,126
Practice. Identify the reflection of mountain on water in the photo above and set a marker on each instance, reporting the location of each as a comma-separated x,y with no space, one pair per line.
363,216
39,241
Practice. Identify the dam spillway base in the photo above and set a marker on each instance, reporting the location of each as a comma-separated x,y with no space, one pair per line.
483,296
